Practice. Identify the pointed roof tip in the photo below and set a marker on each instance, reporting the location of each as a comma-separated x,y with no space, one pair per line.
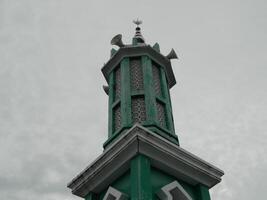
172,55
138,38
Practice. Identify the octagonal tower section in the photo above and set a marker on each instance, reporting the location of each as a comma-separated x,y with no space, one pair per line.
139,81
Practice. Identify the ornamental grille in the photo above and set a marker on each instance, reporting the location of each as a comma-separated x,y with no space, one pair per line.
117,83
156,79
136,73
117,117
161,114
138,109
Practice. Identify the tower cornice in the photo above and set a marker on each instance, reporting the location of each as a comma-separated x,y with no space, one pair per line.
139,50
164,155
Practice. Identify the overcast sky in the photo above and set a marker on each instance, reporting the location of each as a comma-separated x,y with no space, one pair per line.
53,111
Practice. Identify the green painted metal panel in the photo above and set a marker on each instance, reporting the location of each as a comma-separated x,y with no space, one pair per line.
156,47
163,132
134,41
122,184
125,93
150,100
114,136
150,96
91,196
166,96
112,52
159,179
143,181
202,193
140,178
111,98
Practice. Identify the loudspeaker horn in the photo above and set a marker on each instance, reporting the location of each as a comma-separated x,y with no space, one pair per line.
116,40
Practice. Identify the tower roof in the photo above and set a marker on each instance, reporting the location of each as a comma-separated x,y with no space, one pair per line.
139,50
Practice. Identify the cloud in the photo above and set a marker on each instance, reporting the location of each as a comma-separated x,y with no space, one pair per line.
53,112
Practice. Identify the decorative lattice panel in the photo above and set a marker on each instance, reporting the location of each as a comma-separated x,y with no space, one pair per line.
156,79
136,73
117,117
117,83
138,109
161,114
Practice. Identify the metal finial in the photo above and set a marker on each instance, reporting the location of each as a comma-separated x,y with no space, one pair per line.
137,22
138,38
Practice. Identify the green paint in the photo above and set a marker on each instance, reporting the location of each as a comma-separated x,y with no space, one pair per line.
159,179
156,47
140,178
167,131
115,103
163,132
137,93
125,93
111,99
143,181
150,100
91,196
202,193
165,91
112,138
122,184
112,52
134,41
124,101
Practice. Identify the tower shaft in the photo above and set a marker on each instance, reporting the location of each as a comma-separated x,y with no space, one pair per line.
139,93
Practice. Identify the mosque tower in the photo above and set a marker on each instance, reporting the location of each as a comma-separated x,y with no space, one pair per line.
142,158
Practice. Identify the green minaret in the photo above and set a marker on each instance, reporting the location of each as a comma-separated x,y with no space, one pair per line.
142,159
139,79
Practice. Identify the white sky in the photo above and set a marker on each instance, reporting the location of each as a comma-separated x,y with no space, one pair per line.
53,111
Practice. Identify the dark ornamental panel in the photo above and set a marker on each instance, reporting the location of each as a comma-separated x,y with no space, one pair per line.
156,80
117,117
138,109
136,73
161,114
117,83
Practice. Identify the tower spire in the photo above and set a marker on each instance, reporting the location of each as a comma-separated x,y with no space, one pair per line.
138,38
